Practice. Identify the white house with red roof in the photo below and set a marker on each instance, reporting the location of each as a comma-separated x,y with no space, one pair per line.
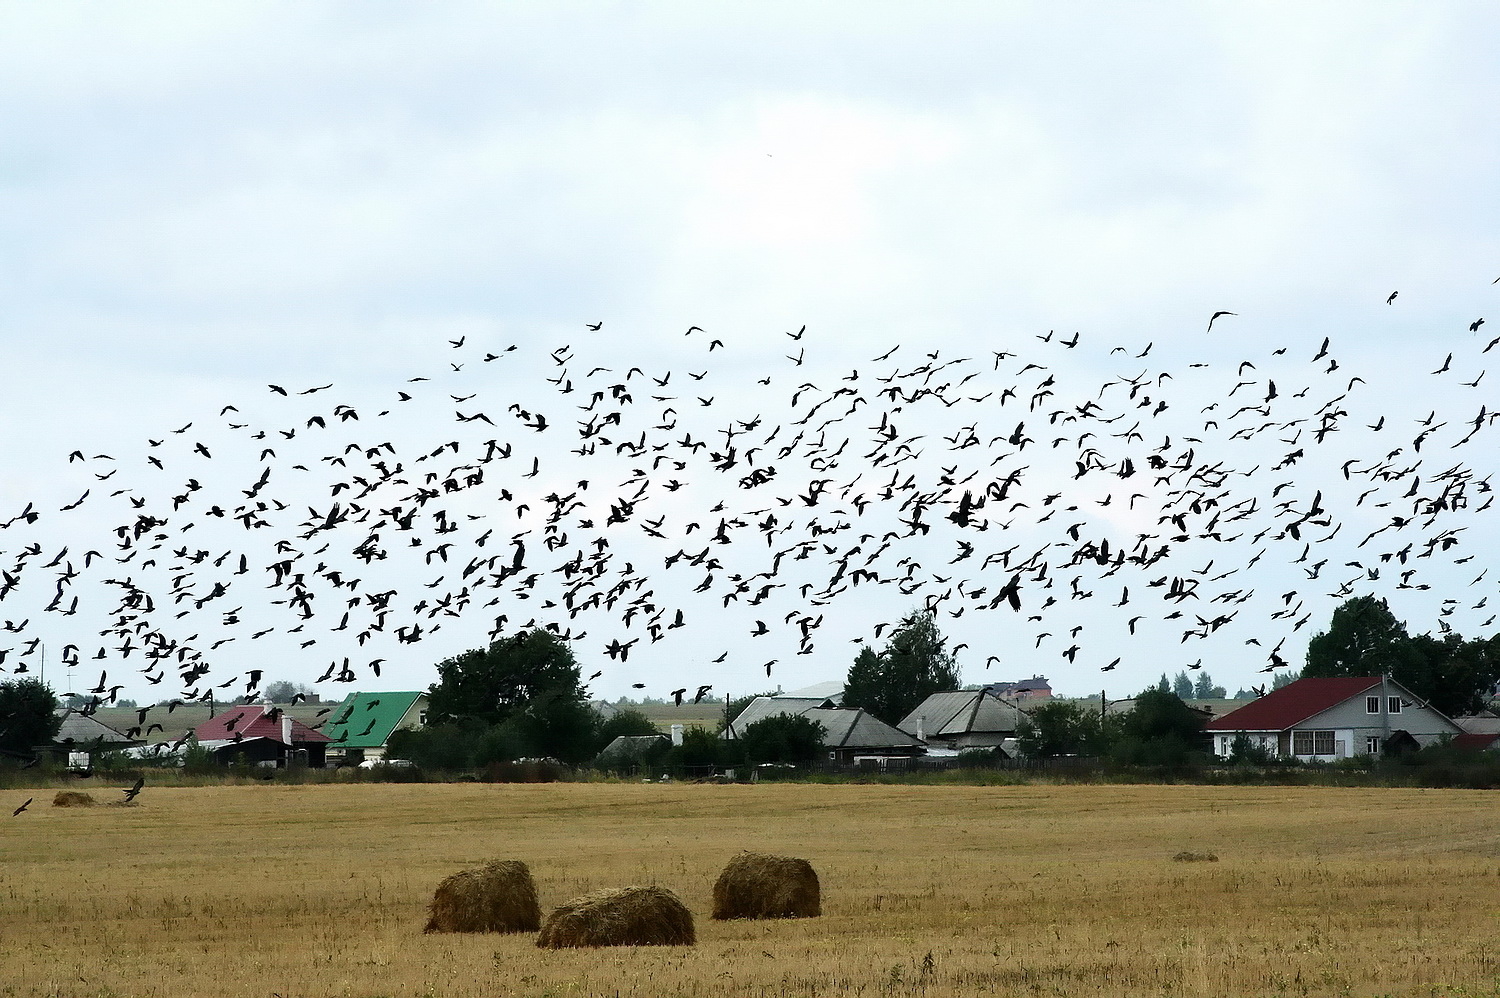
261,733
1328,718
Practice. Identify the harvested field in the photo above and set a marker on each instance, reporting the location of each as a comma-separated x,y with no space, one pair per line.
927,891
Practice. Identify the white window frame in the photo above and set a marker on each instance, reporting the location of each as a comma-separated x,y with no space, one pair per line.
1372,744
1312,740
1372,705
1394,705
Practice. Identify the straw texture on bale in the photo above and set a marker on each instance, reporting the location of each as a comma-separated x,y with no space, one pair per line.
72,798
497,897
755,885
627,916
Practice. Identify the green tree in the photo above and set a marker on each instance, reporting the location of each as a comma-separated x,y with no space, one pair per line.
624,722
1059,728
529,685
914,665
1204,688
700,749
1182,686
28,715
786,738
282,691
1365,639
1160,730
1164,684
1287,678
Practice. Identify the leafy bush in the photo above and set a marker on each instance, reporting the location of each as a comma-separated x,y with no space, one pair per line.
978,758
786,738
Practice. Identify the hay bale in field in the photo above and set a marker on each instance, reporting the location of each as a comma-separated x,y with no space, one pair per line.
756,885
496,897
1195,857
627,916
72,798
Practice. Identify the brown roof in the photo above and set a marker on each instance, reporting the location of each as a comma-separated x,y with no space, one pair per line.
1293,703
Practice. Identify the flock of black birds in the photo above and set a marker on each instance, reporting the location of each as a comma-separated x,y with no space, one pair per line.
617,504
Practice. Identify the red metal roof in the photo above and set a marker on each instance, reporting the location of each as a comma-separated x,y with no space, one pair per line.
1476,741
1293,703
251,721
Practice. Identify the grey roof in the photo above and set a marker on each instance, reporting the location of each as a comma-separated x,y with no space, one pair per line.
846,729
962,712
80,730
763,707
1479,724
858,729
831,690
630,746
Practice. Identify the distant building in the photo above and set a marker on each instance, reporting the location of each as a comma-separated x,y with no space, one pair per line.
1035,688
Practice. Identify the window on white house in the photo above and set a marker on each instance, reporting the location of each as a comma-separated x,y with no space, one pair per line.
1395,705
1313,743
1372,705
422,718
1372,744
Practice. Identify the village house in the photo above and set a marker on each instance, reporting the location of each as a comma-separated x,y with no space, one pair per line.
1327,718
360,728
963,719
81,736
262,734
849,735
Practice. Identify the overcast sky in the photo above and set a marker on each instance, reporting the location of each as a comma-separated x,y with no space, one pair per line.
199,200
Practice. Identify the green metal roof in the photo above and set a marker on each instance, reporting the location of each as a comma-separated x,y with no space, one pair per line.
366,720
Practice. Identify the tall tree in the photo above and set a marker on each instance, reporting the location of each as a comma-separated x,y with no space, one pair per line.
1204,688
28,715
1059,728
914,665
1182,686
528,683
1365,639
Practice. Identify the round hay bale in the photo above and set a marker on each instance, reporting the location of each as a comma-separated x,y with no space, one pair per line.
627,916
72,798
496,897
755,885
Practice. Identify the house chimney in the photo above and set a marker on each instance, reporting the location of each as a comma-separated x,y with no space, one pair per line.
286,730
921,728
676,734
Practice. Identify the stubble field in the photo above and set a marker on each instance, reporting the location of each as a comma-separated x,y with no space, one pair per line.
931,891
